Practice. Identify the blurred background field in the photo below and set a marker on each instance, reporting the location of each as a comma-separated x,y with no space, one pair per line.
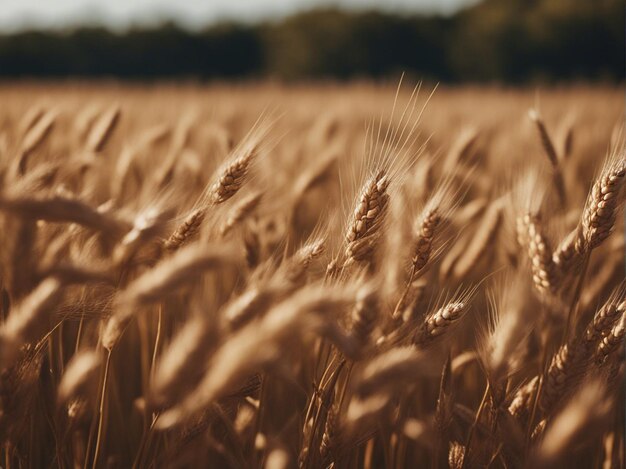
496,111
499,114
334,117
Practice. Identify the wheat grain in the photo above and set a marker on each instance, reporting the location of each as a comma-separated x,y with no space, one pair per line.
600,210
186,230
544,273
368,217
231,177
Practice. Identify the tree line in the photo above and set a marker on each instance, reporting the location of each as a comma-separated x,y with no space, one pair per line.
512,41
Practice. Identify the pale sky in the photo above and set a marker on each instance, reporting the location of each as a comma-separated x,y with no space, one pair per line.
18,14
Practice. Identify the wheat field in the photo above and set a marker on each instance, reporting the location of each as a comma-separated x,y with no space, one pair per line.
311,276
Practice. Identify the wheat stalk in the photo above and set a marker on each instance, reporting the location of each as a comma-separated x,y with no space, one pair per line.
240,211
102,130
550,152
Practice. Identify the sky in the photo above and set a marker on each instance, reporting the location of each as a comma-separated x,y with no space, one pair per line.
118,14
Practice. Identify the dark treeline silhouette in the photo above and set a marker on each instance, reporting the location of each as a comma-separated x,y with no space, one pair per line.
513,41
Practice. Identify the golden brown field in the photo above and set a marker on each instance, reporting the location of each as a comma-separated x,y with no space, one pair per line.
311,276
